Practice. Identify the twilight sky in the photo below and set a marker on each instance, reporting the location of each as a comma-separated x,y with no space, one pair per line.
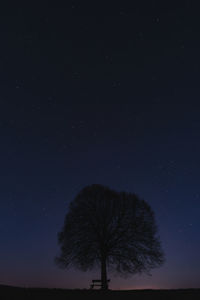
94,93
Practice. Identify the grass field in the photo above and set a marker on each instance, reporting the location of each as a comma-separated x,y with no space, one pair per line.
7,292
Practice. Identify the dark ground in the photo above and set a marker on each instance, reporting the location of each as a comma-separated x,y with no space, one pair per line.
7,292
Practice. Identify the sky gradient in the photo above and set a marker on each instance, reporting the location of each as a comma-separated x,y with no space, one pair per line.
98,94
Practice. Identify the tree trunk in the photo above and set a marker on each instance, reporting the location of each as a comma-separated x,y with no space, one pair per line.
104,284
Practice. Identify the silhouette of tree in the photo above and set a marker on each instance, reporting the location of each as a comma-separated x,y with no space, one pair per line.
111,229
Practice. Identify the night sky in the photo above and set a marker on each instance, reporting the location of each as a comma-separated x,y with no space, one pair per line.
94,93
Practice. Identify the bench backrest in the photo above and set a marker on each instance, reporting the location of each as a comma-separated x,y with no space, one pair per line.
99,280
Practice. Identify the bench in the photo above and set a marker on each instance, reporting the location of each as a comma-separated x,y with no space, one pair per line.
97,282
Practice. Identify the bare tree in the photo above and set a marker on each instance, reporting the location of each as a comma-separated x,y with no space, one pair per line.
111,229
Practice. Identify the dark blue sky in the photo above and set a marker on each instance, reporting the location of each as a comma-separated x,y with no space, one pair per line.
98,94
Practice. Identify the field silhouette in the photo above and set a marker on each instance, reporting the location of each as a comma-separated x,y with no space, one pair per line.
9,292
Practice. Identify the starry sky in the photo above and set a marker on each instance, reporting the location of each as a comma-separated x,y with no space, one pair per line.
94,93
